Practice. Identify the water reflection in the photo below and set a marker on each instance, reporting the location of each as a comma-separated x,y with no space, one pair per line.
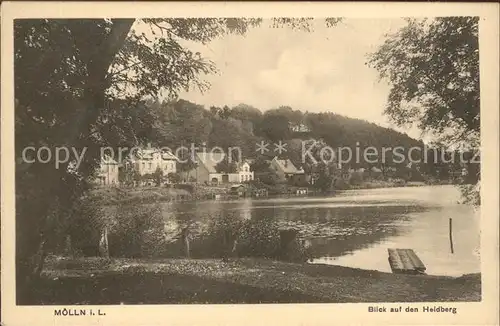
355,228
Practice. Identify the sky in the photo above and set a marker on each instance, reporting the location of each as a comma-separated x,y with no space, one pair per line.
317,71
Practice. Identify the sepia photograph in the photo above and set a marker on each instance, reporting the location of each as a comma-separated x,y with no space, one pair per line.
208,160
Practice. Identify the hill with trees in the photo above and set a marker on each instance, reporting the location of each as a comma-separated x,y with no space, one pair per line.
182,123
360,144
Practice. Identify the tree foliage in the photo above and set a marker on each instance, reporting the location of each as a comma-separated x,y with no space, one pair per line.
433,69
137,231
82,83
226,166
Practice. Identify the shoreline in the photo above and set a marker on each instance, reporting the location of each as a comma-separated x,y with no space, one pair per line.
238,280
149,195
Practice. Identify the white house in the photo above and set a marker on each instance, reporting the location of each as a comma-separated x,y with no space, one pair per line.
108,172
244,173
299,127
206,170
149,160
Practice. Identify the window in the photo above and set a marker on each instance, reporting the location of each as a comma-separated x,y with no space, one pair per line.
150,165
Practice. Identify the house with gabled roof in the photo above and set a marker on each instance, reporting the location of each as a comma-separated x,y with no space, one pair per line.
206,170
244,171
148,160
286,170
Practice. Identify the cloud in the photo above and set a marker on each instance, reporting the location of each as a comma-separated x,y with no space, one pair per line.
320,71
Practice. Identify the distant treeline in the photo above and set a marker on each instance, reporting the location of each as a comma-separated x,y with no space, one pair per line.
182,123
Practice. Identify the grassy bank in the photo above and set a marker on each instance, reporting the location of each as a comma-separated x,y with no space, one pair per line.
374,184
151,194
132,281
112,196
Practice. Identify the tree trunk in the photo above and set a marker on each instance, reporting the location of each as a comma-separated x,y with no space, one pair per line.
68,247
42,253
185,242
29,260
28,270
31,221
103,244
99,62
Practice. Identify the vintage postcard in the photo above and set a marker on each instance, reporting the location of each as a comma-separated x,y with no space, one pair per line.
247,163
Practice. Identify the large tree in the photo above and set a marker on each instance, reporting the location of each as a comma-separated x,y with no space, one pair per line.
432,66
433,70
81,83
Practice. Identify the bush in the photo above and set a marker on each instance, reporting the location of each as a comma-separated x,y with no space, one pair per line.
218,240
258,238
262,238
269,178
86,223
471,194
137,231
184,186
174,177
356,178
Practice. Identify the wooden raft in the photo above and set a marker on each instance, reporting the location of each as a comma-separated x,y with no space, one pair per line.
405,261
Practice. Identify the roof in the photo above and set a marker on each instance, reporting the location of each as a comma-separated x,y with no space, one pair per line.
241,164
287,166
148,154
210,160
169,156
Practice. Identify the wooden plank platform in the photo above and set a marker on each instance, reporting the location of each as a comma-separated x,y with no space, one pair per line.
405,261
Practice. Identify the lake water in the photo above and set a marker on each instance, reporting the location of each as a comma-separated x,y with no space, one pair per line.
354,228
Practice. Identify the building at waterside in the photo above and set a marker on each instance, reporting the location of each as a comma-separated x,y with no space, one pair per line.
286,170
206,171
108,172
149,160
